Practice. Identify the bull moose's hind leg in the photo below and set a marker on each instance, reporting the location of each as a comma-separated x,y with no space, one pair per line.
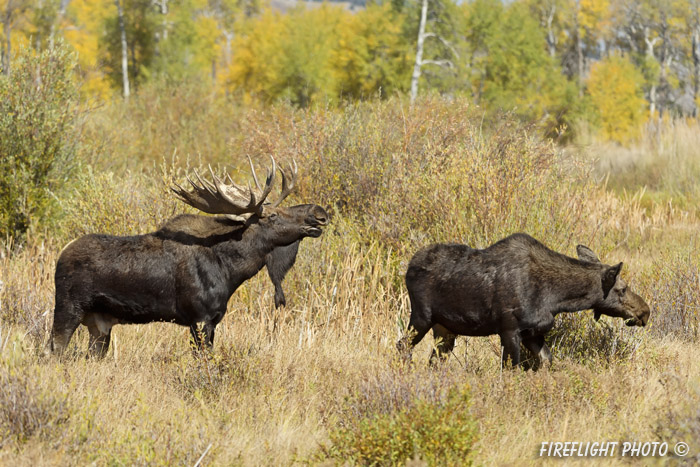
445,342
99,344
100,327
66,319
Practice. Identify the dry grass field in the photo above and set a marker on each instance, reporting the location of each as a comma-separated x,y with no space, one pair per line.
318,382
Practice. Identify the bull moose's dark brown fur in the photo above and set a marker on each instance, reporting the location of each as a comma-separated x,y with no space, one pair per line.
513,288
183,273
278,262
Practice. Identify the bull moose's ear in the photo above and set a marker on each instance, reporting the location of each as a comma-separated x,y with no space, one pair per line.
586,254
609,278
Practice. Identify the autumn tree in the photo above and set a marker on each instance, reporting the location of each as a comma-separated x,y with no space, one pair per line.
649,31
437,29
615,89
510,66
38,110
286,56
371,59
13,15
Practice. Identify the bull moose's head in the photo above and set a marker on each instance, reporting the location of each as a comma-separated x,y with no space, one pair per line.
246,204
618,301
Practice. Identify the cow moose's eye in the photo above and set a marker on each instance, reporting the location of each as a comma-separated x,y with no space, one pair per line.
273,216
623,290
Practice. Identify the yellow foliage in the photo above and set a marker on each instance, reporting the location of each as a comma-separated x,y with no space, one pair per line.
85,27
255,65
594,16
285,56
207,34
614,87
371,52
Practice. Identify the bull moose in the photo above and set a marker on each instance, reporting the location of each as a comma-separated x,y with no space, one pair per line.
514,288
186,271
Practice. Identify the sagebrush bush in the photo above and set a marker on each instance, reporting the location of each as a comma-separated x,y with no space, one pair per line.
29,403
674,285
38,116
164,118
429,173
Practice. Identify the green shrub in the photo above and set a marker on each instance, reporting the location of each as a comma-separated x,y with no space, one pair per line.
396,417
578,337
38,110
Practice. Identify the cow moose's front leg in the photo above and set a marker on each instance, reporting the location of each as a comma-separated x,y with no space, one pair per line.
539,350
510,342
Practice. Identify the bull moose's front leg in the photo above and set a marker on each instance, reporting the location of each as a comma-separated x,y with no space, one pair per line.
202,338
510,341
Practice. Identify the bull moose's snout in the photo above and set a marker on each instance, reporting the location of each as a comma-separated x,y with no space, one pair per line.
316,218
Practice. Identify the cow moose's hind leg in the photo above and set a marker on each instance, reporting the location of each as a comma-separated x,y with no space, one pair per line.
539,350
417,329
510,344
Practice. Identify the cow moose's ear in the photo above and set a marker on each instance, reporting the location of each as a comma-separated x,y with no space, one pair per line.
586,254
609,278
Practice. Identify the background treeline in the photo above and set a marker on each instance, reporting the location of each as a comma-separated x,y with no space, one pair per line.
603,66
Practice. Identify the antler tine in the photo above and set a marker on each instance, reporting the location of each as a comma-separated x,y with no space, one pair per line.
255,176
268,182
211,188
287,186
179,191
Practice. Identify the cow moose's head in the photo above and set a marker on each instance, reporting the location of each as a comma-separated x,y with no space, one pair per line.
618,300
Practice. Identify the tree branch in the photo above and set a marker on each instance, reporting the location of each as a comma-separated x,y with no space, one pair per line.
445,63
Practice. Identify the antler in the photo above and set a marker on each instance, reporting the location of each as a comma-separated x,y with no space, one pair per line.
218,197
287,187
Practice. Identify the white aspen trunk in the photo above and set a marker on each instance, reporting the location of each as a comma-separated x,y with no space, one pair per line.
227,47
59,18
551,37
419,51
7,30
579,50
125,60
696,67
650,43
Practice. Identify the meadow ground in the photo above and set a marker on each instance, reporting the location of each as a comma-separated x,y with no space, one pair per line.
319,382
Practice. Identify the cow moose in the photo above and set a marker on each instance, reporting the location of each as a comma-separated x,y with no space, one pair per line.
514,288
186,271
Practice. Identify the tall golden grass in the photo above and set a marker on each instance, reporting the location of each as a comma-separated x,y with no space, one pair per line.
318,381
